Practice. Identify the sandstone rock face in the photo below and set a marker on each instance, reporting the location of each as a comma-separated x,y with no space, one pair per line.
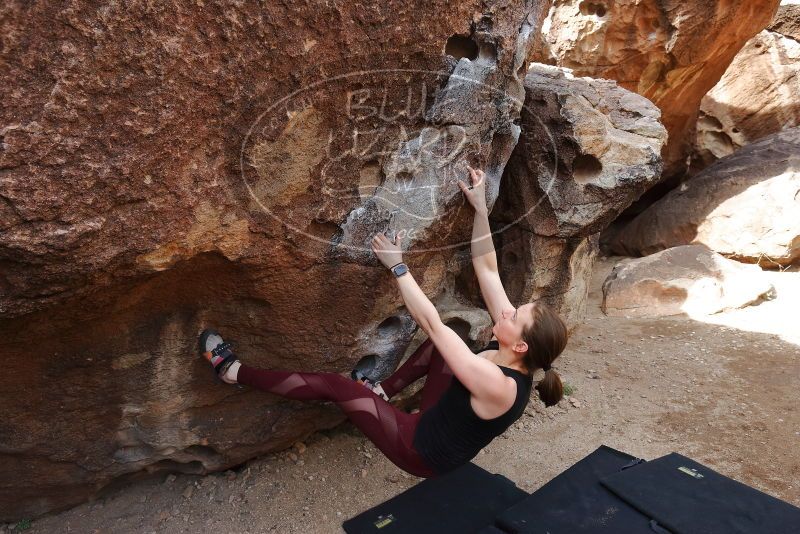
688,279
588,149
672,52
759,94
787,21
165,169
557,270
745,206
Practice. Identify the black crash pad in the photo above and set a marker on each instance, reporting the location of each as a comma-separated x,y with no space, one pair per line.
574,502
464,500
491,529
689,498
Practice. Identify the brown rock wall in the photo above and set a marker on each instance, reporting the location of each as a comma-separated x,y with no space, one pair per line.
166,167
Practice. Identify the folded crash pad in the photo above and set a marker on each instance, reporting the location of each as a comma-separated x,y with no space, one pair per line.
574,502
689,498
465,500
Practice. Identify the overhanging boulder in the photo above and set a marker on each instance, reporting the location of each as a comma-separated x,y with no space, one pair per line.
169,168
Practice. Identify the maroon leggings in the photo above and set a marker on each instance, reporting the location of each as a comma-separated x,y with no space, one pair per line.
391,429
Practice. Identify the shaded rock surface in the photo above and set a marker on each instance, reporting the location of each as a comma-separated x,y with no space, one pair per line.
688,279
759,94
549,268
588,149
745,206
167,168
672,52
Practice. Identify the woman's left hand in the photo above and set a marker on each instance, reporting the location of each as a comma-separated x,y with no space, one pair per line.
389,253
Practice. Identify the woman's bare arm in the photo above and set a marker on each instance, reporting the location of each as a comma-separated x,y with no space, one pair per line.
419,306
484,257
481,377
390,254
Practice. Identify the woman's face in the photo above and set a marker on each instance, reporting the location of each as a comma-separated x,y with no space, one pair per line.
513,321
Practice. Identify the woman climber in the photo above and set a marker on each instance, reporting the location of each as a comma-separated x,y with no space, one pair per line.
468,398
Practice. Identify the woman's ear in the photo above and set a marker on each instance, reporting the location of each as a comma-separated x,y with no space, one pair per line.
521,346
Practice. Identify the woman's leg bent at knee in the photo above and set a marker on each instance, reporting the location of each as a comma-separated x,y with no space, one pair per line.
415,367
426,360
440,376
390,429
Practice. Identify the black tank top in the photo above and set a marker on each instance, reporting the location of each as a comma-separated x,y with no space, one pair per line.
450,433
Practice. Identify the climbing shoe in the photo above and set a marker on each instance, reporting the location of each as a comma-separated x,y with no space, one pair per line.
217,351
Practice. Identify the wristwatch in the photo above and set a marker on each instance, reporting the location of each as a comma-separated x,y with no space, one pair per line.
400,269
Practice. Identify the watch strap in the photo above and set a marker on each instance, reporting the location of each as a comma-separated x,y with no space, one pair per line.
396,266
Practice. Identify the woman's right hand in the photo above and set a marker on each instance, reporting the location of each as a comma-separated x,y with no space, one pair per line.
477,194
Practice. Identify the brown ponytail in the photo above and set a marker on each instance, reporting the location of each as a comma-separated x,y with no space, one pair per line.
550,388
546,339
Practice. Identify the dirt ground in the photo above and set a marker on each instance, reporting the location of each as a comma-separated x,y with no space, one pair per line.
722,390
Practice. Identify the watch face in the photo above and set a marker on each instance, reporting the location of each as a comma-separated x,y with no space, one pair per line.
400,270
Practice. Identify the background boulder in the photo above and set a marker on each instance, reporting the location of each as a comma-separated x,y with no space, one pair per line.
758,95
688,279
787,20
588,149
672,52
745,206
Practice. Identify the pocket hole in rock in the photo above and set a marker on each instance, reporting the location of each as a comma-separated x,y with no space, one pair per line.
203,452
709,121
488,51
592,8
459,47
324,230
390,326
585,167
367,365
370,178
460,327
